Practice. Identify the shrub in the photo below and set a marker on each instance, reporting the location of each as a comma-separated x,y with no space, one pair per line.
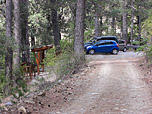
2,83
63,64
20,87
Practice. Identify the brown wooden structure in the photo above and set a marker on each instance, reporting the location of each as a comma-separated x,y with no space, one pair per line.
28,69
40,56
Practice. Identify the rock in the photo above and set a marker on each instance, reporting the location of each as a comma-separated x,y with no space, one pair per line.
35,108
29,101
5,109
151,81
17,95
8,104
59,81
82,74
22,110
42,94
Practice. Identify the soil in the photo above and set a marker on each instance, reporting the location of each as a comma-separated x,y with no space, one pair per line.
110,84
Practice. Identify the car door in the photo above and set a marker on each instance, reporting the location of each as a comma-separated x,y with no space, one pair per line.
100,47
121,44
108,46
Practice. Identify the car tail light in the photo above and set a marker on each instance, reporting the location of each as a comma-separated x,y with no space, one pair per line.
117,45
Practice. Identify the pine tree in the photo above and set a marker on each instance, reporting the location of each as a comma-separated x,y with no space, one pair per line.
8,51
79,30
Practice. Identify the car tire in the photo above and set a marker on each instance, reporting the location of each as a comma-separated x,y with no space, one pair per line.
125,49
92,51
115,51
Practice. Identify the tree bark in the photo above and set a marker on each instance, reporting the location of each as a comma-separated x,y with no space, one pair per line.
139,24
56,30
113,25
132,20
8,51
79,30
97,25
32,40
24,31
17,33
125,24
101,24
125,28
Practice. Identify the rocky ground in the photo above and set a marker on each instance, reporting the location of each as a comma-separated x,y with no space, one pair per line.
109,84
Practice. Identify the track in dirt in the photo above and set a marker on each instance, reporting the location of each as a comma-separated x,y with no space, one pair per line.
115,87
112,84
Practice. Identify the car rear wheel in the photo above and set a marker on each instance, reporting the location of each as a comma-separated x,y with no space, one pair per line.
125,49
115,51
91,51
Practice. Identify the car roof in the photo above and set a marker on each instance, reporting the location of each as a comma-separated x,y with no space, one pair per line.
106,41
106,37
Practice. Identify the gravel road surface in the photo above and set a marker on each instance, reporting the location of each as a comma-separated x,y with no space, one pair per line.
114,86
111,84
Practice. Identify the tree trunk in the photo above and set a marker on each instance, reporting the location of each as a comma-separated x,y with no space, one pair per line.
32,40
132,20
8,52
113,25
125,24
125,27
139,24
56,31
101,23
79,30
107,24
24,31
97,26
17,33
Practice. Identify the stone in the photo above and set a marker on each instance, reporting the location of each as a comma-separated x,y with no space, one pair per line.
42,94
22,110
8,104
29,101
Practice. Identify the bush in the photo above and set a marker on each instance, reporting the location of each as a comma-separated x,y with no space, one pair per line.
148,52
2,83
6,42
2,64
63,64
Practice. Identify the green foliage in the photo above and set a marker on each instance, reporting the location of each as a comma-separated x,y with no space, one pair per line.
20,82
63,64
7,42
67,44
2,83
148,51
39,23
136,43
50,58
69,31
89,32
2,64
147,33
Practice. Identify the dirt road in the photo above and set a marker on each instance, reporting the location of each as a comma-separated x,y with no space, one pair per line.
114,86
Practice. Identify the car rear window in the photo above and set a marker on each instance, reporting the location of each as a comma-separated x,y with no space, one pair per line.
121,42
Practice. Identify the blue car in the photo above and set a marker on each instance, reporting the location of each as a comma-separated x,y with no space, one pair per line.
103,46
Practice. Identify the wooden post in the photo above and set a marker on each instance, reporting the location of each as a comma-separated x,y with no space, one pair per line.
42,60
38,62
30,72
